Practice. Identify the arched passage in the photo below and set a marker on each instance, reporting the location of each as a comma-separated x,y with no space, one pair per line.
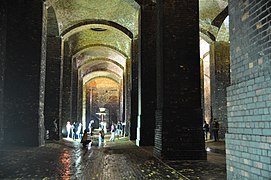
115,84
96,45
102,92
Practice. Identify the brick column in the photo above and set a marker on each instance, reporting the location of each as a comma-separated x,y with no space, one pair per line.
248,139
146,77
79,96
124,92
66,85
3,33
121,100
52,84
24,73
84,101
88,105
178,133
74,92
134,92
127,86
220,80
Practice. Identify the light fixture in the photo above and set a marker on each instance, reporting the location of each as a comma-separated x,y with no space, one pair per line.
98,29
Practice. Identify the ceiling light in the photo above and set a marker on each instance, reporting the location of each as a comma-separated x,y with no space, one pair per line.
98,29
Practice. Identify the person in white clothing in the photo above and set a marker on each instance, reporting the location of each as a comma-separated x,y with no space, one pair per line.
68,128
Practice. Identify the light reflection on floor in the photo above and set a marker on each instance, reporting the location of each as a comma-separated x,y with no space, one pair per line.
65,161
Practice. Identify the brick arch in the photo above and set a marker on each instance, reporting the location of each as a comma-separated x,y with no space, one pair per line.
119,61
207,36
99,21
95,74
100,90
219,19
101,65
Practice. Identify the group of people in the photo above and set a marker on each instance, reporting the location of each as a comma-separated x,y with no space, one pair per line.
116,130
214,129
74,130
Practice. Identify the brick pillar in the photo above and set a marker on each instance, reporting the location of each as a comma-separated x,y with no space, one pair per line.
124,92
74,92
79,97
24,73
53,62
92,107
134,92
146,77
3,33
220,80
127,86
84,111
178,133
66,85
248,139
121,100
88,105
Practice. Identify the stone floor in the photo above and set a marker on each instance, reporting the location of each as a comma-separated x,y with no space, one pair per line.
67,159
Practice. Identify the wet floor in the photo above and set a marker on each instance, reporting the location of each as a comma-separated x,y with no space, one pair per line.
67,159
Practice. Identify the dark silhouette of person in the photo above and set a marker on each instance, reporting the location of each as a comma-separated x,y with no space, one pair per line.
55,129
215,130
85,141
205,129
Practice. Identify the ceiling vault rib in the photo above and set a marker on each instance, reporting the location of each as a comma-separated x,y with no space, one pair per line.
208,34
98,21
102,77
101,45
219,19
87,62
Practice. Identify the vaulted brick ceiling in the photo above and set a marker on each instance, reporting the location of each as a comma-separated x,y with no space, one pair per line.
92,26
123,12
213,20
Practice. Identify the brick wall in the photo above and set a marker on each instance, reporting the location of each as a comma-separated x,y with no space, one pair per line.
248,141
3,21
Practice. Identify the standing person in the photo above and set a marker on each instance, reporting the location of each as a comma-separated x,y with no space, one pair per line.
102,133
119,128
112,138
215,129
100,138
90,126
68,128
73,128
78,132
205,129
